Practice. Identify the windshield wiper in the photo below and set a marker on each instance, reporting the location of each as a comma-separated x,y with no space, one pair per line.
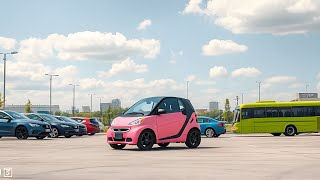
136,113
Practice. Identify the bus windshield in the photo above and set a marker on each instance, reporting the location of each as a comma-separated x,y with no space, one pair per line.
236,116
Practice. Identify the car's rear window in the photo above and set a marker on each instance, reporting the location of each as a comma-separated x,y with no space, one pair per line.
94,121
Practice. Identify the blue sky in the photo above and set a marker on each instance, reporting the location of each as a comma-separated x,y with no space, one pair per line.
221,47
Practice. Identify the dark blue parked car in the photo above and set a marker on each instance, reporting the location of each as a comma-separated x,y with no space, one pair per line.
15,124
211,127
58,128
82,127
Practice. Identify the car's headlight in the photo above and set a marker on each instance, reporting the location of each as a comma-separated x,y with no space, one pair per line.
34,125
64,126
137,121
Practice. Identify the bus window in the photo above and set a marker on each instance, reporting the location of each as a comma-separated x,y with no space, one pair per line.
259,112
285,112
309,111
247,113
272,112
297,111
317,109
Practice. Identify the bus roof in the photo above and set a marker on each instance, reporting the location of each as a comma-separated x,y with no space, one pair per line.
280,104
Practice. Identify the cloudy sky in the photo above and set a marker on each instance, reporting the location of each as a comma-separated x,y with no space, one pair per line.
135,49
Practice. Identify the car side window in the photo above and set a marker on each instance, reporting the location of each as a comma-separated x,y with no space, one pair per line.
170,105
34,117
206,120
199,120
181,106
2,115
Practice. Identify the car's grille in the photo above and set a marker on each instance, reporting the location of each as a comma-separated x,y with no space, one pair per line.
120,129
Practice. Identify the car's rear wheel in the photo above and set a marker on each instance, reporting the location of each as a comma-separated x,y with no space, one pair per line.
216,135
68,136
290,130
209,132
146,140
22,132
163,145
276,134
54,132
193,138
40,137
117,146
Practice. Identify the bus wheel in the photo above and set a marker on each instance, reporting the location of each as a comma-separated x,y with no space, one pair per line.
290,130
276,134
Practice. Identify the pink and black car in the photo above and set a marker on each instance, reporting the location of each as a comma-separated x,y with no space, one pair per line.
156,120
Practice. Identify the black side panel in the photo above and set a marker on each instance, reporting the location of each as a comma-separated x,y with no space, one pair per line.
190,111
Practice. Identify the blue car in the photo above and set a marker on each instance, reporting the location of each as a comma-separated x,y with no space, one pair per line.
58,128
211,127
14,124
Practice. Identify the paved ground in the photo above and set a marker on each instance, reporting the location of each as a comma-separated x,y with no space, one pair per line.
227,157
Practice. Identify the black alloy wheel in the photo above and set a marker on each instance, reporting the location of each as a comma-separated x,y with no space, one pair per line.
146,140
22,132
193,138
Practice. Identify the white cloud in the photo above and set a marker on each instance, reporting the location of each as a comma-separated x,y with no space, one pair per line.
205,82
218,47
144,24
7,43
87,46
246,72
280,79
125,66
263,16
174,56
218,71
296,85
193,7
191,78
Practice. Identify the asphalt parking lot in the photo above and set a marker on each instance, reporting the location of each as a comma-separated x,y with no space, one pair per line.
227,157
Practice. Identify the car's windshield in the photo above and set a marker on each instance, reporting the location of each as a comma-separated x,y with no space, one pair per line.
66,119
16,115
143,107
49,118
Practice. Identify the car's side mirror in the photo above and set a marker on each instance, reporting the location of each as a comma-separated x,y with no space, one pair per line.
161,111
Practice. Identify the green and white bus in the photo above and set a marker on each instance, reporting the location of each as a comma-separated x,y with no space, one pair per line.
289,118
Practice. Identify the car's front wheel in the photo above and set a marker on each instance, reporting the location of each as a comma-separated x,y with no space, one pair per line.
22,132
210,133
40,137
146,140
193,138
54,132
117,146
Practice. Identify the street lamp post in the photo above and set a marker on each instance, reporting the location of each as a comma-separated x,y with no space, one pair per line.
51,88
100,105
4,76
187,89
74,89
91,103
259,82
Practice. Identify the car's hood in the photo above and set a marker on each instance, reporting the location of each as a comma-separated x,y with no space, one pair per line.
124,121
32,121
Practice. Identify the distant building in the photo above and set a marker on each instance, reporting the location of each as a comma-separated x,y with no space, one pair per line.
213,106
116,103
34,108
307,97
201,111
104,106
86,109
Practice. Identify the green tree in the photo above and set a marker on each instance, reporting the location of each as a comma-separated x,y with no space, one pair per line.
110,114
28,107
227,115
1,101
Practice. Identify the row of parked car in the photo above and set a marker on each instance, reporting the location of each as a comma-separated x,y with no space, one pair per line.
40,126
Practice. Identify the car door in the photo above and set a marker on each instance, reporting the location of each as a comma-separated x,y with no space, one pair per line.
171,122
6,126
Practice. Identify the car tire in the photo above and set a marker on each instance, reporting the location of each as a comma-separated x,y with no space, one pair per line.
163,145
91,134
209,132
146,140
22,132
80,135
193,138
0,136
54,132
276,134
40,137
117,146
290,130
216,135
68,136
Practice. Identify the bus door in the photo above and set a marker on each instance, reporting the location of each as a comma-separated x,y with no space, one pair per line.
247,121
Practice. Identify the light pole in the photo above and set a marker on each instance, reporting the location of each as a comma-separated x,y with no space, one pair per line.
74,89
259,82
187,89
100,105
4,76
50,87
91,103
